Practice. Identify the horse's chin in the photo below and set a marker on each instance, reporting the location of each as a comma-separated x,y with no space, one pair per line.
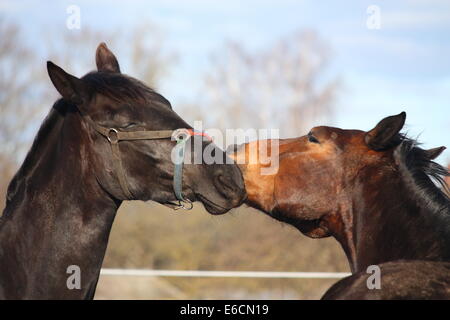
211,206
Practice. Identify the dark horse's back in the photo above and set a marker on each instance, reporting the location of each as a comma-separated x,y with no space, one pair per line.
400,280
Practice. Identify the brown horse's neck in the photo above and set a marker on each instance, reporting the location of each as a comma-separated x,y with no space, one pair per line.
57,215
386,222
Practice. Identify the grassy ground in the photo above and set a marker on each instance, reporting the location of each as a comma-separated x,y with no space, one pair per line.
147,235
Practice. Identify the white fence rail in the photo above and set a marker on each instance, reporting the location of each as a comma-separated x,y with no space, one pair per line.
223,274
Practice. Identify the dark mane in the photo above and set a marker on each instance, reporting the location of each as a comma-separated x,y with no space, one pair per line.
45,137
119,87
423,176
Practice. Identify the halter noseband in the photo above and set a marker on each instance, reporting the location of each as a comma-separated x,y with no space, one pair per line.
180,136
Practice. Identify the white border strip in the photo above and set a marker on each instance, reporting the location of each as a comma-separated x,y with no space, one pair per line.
223,274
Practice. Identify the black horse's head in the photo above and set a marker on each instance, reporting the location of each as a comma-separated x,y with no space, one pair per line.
110,99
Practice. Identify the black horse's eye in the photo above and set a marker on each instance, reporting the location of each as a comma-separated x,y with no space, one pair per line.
129,125
312,139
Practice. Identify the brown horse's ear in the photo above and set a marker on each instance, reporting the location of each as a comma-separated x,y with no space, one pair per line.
71,88
434,153
106,60
385,134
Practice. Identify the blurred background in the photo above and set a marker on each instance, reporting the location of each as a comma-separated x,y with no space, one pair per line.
285,64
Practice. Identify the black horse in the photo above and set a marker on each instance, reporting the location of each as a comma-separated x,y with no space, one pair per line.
62,202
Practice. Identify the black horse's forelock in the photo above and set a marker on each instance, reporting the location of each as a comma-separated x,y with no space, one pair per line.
119,87
424,177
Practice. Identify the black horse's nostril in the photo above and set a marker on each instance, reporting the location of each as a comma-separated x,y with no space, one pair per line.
225,186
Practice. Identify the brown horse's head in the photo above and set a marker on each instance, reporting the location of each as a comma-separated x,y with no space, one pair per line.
321,173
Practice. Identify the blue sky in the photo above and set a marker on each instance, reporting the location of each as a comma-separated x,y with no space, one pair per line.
403,66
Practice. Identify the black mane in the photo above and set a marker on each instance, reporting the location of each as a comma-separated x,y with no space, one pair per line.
423,176
45,137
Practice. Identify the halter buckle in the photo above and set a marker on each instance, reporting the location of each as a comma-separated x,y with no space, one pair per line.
182,205
114,138
181,135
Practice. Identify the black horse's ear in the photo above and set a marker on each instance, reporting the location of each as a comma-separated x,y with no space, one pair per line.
385,134
434,153
106,61
71,88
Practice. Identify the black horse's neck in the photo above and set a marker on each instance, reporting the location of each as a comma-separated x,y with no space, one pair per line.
403,215
57,215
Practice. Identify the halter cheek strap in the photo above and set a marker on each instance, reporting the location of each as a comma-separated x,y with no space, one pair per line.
178,170
118,166
114,136
180,135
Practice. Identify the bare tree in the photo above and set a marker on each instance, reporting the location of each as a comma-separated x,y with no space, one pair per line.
279,87
142,51
151,60
19,100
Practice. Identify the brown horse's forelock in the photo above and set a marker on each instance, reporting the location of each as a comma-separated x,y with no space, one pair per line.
419,171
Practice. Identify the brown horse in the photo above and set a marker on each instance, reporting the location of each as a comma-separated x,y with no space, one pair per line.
404,279
108,139
372,191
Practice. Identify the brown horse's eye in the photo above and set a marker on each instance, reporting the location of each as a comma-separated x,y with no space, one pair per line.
312,139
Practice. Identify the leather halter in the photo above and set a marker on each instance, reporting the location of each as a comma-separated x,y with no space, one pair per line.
180,135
